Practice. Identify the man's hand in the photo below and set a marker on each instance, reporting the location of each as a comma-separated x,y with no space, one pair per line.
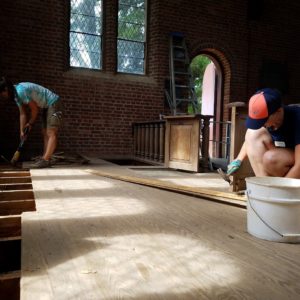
26,130
233,166
28,126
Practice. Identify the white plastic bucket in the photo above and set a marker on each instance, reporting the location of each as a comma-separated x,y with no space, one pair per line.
273,208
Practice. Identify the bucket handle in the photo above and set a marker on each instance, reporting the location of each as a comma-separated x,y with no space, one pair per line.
287,235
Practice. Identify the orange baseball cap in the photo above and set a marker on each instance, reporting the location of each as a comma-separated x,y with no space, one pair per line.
261,105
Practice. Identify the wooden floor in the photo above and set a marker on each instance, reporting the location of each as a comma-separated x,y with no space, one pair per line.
98,238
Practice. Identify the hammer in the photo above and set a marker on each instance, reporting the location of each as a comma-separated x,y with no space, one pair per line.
225,176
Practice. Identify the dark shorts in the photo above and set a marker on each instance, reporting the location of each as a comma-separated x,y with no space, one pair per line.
52,116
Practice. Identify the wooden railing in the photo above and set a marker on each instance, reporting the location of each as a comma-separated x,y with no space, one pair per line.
204,145
149,141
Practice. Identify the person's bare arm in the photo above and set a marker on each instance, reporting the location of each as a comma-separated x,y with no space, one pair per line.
23,116
23,119
243,153
34,112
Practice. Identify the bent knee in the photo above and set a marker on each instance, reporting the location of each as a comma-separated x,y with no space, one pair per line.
278,160
271,157
51,132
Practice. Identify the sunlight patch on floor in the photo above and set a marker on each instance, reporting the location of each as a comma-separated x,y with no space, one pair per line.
90,196
95,206
96,233
145,264
60,185
66,179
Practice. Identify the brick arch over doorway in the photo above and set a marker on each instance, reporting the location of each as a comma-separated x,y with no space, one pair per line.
222,57
219,130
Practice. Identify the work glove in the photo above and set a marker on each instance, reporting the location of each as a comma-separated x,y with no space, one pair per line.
233,166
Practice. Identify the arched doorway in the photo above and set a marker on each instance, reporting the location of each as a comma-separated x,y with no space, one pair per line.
208,82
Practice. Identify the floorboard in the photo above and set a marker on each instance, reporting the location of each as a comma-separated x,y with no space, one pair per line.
99,238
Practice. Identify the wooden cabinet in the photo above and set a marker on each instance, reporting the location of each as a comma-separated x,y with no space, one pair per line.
182,142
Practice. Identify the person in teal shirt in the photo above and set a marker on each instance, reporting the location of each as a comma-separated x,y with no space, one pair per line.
37,98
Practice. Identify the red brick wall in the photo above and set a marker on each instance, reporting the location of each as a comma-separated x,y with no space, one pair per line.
101,105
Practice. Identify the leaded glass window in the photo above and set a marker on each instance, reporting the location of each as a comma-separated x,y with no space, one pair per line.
131,36
86,34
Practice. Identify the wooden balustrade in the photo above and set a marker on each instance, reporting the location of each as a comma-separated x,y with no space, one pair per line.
149,141
204,133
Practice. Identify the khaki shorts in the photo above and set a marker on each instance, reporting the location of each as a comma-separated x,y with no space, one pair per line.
52,116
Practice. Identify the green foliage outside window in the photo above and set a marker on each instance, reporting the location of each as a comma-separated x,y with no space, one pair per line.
86,34
131,36
198,66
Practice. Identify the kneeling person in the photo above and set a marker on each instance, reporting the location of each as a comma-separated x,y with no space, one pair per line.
272,141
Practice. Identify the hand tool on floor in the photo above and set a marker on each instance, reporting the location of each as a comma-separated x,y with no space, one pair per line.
16,156
5,159
225,176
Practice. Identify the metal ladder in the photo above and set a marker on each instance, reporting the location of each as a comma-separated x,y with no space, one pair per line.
180,92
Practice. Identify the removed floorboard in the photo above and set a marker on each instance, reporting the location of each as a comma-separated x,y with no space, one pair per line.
229,198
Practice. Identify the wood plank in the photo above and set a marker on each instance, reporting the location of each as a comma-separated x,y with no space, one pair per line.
16,207
10,275
16,195
219,196
10,288
10,227
8,180
15,186
20,173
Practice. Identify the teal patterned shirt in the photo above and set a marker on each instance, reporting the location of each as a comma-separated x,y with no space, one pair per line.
27,91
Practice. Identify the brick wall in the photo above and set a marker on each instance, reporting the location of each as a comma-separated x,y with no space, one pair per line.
101,105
